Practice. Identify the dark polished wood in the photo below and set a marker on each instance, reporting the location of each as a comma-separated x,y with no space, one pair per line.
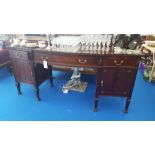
116,81
116,73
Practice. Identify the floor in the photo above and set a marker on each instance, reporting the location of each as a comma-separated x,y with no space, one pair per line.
72,106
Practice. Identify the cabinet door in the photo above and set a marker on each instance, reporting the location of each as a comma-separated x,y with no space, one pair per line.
22,70
117,82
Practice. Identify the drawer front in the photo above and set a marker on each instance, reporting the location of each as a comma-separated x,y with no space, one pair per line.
18,54
67,60
120,61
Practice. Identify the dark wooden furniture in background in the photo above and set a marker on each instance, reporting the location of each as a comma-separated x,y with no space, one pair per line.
116,73
26,71
4,55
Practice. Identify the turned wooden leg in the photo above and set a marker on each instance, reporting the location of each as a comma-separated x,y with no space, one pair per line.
18,88
127,105
9,68
96,97
95,104
37,93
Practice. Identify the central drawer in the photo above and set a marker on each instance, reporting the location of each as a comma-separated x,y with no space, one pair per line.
67,60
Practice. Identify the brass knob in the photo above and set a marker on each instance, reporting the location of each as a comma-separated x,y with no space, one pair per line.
17,54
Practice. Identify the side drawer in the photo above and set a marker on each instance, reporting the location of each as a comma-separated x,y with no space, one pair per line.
18,54
120,61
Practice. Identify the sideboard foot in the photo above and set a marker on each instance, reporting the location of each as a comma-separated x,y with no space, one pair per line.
37,94
95,105
18,88
127,105
125,111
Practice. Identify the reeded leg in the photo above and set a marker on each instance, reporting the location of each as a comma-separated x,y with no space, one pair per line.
18,88
127,105
51,81
51,76
37,94
95,104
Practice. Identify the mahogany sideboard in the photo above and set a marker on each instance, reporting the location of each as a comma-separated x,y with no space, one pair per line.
116,73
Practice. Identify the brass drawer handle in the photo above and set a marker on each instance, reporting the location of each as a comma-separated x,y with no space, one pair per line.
118,64
31,74
100,61
44,58
82,61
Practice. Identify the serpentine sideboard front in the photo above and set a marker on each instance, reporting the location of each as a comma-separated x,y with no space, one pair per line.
116,73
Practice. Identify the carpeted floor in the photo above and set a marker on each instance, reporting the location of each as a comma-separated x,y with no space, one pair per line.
73,106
